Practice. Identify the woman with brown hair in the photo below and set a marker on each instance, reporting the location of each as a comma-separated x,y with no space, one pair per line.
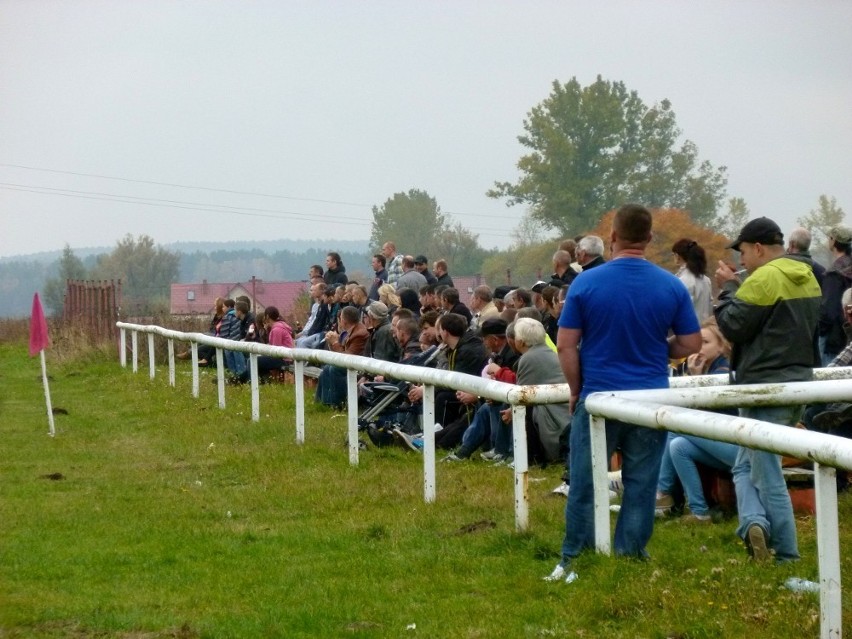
691,260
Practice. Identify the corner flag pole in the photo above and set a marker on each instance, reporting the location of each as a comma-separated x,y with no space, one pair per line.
38,342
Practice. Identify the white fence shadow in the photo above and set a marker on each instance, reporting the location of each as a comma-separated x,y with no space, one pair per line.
671,409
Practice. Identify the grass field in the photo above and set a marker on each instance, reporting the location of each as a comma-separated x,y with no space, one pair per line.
152,514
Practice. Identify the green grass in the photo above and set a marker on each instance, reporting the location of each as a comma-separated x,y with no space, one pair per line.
136,541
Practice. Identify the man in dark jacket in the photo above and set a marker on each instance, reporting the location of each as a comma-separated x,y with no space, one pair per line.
837,279
421,263
380,276
770,320
335,273
465,354
381,344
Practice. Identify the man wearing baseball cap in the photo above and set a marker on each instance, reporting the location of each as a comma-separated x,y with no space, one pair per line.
837,278
421,263
771,321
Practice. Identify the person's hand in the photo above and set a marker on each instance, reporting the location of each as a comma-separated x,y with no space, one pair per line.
332,338
572,403
725,273
415,394
695,364
506,415
491,369
379,378
466,398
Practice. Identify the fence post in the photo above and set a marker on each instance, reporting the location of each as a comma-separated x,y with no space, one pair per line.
171,362
195,369
152,365
122,347
255,393
828,551
134,345
519,445
352,413
299,379
600,466
428,443
220,376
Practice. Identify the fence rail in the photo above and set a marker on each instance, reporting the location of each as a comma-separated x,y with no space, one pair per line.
669,409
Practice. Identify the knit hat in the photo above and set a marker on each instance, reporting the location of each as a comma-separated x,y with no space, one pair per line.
378,311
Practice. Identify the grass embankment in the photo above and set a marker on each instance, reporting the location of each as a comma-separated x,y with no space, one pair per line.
173,518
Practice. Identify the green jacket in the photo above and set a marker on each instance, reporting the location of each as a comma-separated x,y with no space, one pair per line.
771,321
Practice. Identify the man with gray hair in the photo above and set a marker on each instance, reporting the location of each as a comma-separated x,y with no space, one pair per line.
590,252
800,244
562,272
482,305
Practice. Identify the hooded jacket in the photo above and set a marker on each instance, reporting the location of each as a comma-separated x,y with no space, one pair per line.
469,356
771,322
837,279
336,276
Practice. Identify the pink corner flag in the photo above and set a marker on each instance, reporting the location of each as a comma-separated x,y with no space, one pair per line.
38,328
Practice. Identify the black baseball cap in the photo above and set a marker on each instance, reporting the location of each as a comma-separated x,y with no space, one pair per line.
761,230
421,259
493,326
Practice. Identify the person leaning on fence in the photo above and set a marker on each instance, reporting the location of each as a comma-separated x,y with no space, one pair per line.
485,424
684,452
623,312
547,425
235,361
465,353
352,339
771,321
206,354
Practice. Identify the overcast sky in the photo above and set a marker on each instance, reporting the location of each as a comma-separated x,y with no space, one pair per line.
332,107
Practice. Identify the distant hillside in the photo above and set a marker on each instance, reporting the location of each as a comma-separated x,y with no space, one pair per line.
266,246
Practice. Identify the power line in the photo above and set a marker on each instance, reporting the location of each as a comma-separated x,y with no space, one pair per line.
197,206
229,191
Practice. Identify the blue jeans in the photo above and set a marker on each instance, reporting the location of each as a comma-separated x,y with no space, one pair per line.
331,386
762,496
641,451
310,341
479,429
501,435
235,362
687,450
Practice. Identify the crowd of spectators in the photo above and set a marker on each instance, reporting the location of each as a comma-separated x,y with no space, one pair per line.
634,324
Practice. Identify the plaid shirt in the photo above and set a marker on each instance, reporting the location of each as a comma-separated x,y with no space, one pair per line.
395,269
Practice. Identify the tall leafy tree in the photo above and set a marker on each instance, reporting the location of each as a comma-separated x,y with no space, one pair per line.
820,220
413,221
736,217
145,270
71,267
593,148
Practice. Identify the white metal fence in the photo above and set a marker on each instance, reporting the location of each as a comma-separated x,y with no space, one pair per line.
671,409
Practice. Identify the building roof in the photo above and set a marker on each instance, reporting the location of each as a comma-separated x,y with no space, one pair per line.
195,299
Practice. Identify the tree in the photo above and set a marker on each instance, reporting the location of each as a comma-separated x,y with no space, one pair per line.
671,225
820,220
594,148
414,222
738,214
146,272
70,268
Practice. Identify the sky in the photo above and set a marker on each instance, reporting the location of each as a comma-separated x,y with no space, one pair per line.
218,121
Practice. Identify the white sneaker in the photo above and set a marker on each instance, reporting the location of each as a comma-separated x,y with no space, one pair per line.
557,575
561,489
452,457
615,483
489,455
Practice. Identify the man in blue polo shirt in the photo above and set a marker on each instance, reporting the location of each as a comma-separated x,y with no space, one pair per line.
614,335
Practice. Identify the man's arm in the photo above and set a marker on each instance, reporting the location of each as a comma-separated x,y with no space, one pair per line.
681,346
567,346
